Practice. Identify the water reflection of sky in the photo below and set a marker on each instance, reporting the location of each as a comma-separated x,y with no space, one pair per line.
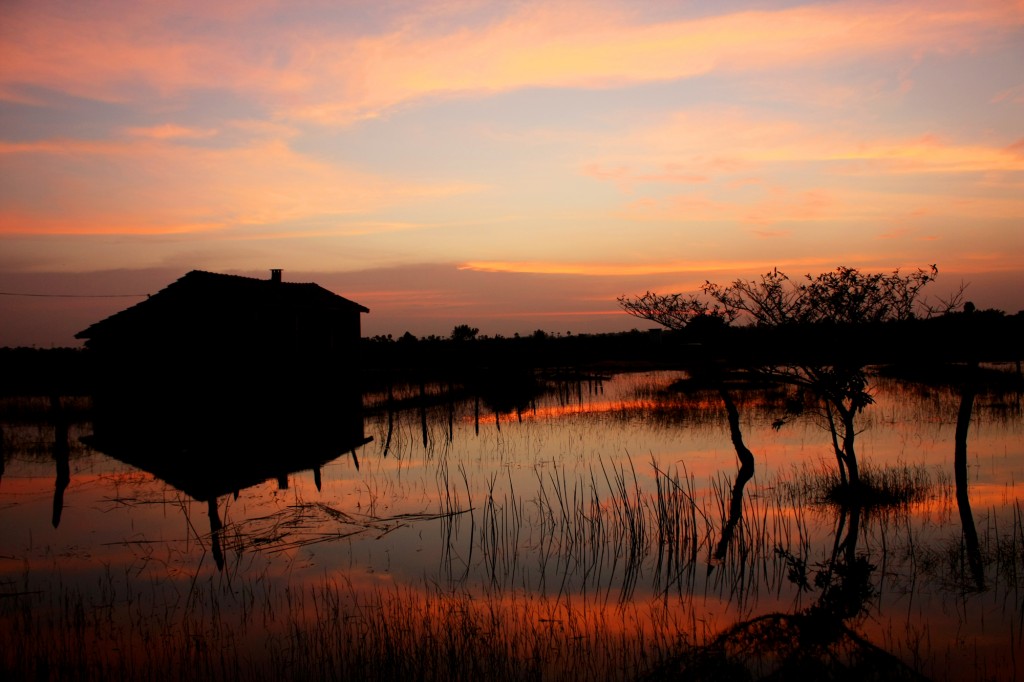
532,486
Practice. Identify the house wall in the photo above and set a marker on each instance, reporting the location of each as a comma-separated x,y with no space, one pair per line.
288,350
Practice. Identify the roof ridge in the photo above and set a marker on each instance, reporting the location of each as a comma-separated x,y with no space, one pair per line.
246,290
245,277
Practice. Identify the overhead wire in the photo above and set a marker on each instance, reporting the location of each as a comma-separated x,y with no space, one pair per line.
14,293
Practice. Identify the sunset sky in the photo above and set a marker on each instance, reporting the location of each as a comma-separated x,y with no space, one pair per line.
510,165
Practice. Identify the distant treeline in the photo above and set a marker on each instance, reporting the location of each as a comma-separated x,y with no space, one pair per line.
49,371
983,335
986,335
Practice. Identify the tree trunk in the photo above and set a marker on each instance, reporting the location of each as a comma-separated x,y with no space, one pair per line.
849,454
835,443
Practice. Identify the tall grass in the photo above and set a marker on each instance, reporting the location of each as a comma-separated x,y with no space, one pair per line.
583,580
330,630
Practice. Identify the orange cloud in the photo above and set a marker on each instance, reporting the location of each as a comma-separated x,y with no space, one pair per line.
823,206
763,171
929,155
170,131
637,269
150,185
710,143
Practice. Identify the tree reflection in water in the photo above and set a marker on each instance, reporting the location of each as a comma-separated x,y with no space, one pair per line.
745,473
968,391
819,642
61,456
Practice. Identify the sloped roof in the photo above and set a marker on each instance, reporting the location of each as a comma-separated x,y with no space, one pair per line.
204,289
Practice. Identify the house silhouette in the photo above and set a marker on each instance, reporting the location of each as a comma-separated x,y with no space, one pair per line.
219,382
209,332
205,311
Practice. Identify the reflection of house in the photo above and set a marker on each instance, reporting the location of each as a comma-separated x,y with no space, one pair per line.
206,458
226,446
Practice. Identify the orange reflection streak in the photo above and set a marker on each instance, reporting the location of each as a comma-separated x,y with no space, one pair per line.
423,612
539,413
43,482
983,495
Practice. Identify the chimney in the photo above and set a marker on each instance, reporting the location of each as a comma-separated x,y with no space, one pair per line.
275,275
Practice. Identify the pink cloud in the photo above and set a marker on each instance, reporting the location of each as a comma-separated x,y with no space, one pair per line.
625,269
170,131
1014,95
321,73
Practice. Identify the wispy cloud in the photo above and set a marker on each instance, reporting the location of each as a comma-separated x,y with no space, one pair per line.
637,269
150,185
324,75
725,165
711,142
567,45
171,131
1014,95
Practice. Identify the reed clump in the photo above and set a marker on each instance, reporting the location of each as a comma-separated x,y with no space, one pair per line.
880,488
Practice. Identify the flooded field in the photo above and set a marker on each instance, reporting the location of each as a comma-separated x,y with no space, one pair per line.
590,529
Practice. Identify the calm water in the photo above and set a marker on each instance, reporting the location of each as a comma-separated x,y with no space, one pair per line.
590,518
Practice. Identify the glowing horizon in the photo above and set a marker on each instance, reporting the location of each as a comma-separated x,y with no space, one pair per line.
616,147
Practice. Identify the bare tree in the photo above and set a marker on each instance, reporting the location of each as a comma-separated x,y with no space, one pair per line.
844,297
674,311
